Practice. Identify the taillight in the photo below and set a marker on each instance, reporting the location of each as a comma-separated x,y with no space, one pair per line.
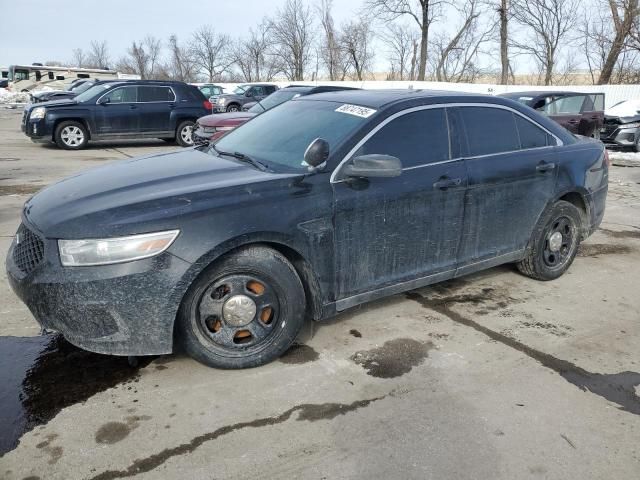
207,105
607,160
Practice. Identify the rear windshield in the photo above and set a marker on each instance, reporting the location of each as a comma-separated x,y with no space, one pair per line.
274,99
280,136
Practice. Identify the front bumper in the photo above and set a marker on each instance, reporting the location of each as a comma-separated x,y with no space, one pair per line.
620,137
120,309
37,130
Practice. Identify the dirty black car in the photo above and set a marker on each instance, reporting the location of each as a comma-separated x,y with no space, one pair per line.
321,204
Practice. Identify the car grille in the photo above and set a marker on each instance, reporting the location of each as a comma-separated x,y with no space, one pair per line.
29,250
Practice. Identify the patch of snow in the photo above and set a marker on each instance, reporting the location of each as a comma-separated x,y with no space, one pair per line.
624,159
7,97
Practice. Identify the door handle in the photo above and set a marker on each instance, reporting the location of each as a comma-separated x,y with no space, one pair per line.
545,167
574,121
446,182
172,106
133,107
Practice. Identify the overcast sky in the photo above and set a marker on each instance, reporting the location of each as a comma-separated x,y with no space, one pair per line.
42,30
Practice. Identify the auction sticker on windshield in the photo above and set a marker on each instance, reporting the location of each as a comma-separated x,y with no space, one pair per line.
356,110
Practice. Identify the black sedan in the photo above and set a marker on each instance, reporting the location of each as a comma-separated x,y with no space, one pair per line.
319,205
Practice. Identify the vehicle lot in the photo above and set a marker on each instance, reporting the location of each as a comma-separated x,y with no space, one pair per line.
490,376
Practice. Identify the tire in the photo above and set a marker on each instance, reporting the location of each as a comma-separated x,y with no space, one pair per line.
71,135
234,107
544,259
636,146
216,323
184,132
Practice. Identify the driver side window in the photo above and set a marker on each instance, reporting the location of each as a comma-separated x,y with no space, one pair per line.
122,95
416,138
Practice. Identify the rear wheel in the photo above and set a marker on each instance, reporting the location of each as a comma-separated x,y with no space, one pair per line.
243,311
184,133
554,242
233,108
71,135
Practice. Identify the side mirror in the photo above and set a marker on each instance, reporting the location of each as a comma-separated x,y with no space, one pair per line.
317,152
373,166
104,101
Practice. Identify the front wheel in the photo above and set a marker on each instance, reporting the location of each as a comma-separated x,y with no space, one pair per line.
554,242
184,133
243,311
71,135
233,108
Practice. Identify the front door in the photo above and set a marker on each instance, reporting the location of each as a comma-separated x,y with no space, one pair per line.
117,112
392,230
567,111
512,170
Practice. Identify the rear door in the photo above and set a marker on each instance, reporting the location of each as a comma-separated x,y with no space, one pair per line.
156,102
511,173
390,230
117,113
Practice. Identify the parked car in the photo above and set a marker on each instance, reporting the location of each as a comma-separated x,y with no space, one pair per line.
212,92
72,90
324,203
213,127
580,113
622,126
123,110
233,102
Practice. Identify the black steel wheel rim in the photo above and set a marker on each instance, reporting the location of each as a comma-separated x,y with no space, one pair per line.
556,252
238,331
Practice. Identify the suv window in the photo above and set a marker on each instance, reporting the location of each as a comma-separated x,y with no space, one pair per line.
256,91
155,94
572,105
594,103
122,95
490,130
416,138
532,136
269,89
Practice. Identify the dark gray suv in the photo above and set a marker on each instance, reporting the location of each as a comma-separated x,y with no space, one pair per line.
233,102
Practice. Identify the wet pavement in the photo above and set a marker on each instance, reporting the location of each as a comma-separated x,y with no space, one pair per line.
490,376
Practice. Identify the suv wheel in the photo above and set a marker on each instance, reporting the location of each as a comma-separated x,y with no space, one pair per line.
243,311
71,135
233,108
554,243
184,133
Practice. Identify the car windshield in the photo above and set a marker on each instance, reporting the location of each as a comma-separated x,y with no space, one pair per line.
240,89
280,136
83,87
92,92
274,99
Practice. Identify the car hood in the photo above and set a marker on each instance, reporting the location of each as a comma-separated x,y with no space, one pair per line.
623,119
137,195
224,118
65,102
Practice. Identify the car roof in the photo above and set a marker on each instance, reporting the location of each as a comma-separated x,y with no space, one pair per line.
539,93
147,82
379,98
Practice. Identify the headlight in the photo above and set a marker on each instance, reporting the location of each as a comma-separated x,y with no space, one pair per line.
37,112
221,101
630,125
77,253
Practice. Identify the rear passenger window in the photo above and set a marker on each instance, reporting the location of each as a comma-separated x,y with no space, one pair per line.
490,130
416,138
532,136
155,94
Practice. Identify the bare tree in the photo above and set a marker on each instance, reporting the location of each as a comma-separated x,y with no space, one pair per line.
292,33
98,56
503,12
422,12
329,49
143,58
79,58
182,66
547,24
355,43
210,52
251,55
399,40
456,54
623,15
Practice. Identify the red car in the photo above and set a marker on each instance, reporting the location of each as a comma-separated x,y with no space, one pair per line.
212,127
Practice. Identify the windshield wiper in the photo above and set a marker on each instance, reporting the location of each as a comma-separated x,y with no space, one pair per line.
243,158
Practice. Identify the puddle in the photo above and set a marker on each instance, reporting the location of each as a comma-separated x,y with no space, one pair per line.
355,333
26,189
299,353
621,233
394,358
618,388
42,375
